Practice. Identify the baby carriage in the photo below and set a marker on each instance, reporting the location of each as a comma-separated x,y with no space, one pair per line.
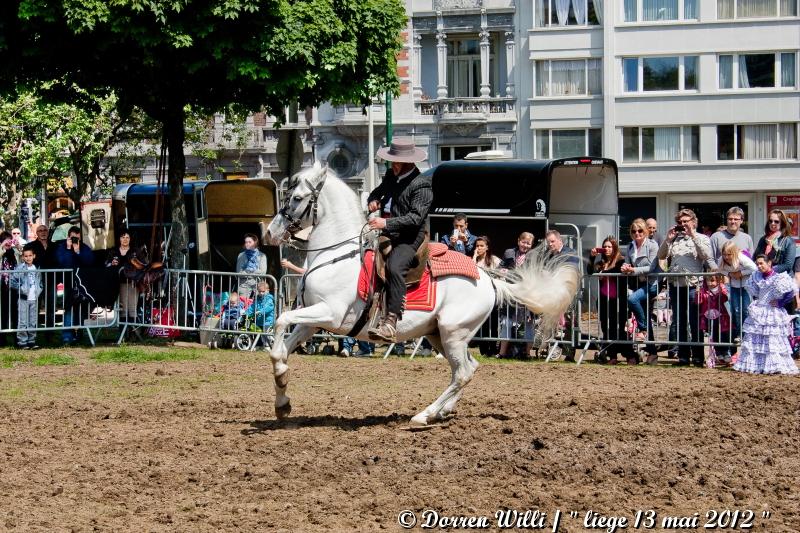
241,333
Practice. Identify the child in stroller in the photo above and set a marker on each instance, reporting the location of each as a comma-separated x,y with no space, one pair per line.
260,316
231,314
249,322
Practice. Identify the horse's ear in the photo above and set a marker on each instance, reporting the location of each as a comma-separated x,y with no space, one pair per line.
318,174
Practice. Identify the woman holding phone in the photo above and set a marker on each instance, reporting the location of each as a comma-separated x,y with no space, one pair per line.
118,258
613,302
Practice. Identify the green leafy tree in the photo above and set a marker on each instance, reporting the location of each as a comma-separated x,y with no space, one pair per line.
16,117
211,55
68,145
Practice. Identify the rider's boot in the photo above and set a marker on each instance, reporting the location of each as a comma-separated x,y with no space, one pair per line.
386,330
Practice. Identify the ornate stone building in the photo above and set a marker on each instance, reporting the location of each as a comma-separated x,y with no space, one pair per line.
457,72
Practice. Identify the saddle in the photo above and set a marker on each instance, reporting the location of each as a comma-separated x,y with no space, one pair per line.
143,272
418,265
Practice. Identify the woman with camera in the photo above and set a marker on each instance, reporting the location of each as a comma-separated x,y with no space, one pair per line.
71,254
613,302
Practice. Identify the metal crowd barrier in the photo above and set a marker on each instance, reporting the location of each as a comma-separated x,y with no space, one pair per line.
201,301
512,320
289,288
61,301
675,310
673,314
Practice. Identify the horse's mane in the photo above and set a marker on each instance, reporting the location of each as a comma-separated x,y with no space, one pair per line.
346,197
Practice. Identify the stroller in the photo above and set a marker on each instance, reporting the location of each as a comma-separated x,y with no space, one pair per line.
243,333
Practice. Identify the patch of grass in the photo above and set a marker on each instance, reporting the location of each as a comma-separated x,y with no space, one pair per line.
54,360
7,360
130,354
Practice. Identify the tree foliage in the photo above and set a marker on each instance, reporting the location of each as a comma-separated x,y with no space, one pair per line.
164,55
65,146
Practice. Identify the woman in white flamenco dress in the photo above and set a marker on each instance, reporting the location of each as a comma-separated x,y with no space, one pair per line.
765,345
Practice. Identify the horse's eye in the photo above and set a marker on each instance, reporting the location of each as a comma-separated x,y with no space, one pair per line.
297,198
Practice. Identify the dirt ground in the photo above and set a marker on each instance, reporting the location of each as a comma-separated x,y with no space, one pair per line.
194,446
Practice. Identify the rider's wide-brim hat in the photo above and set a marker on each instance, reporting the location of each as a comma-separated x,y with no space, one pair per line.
402,150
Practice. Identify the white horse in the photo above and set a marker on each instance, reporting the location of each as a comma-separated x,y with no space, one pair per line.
330,301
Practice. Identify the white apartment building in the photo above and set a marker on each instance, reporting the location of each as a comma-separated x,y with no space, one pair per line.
697,100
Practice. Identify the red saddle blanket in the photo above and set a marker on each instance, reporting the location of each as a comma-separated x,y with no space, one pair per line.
446,262
422,296
419,297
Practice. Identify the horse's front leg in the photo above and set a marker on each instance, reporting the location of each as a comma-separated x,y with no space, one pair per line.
307,320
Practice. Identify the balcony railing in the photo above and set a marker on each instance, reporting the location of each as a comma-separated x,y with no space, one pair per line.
471,109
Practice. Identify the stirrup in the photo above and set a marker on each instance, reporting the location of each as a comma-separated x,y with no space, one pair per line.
385,331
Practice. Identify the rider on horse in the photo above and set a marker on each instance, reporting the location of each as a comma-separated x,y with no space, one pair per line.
411,196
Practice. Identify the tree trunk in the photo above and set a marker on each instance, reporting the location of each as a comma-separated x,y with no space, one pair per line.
176,161
11,214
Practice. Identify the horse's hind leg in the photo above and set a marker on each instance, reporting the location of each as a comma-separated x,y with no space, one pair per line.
463,366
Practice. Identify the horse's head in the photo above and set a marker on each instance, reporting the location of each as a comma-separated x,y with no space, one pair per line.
300,206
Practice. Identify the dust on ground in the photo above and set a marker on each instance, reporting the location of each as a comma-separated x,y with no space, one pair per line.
194,446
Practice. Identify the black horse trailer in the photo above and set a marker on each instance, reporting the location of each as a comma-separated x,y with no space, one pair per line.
502,198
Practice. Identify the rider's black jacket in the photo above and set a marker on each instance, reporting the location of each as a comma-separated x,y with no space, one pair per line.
411,201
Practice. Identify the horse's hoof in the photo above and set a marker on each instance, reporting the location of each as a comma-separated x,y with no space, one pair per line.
283,411
420,420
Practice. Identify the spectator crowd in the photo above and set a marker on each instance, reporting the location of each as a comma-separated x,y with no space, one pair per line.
720,299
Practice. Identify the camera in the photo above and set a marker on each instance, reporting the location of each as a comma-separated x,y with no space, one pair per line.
679,229
74,240
599,250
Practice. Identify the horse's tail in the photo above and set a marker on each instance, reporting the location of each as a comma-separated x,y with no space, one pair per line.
544,283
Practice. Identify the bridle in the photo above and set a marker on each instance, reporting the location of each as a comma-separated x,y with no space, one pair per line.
311,207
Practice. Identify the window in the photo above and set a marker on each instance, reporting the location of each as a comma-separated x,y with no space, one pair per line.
451,153
630,74
757,71
567,13
660,74
464,68
674,143
756,141
731,9
658,10
569,77
556,144
673,73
